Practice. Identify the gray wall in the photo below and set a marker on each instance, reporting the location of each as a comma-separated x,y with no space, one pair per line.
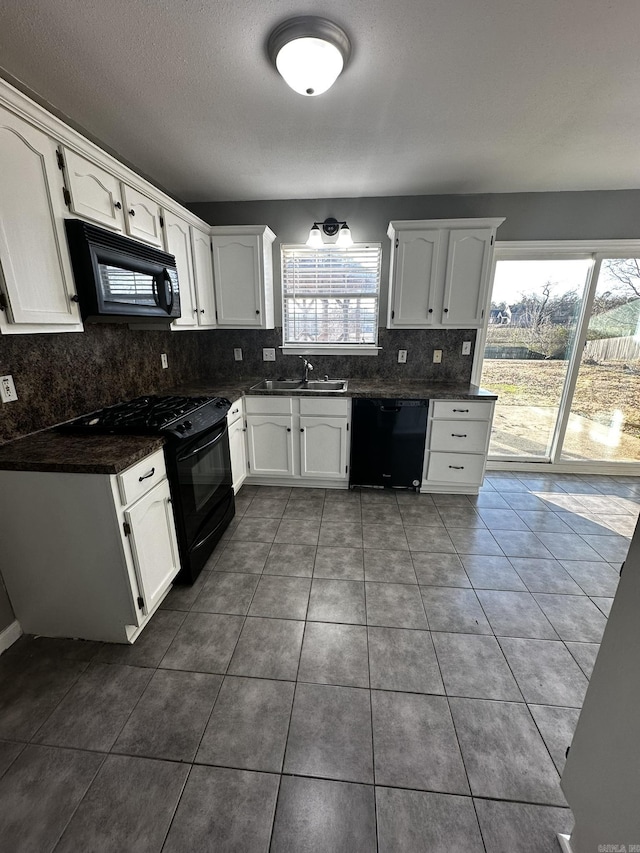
529,216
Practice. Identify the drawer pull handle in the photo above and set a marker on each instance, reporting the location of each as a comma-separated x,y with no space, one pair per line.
457,467
458,435
235,411
461,410
146,476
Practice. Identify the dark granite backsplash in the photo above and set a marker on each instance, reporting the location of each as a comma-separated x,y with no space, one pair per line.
61,376
218,358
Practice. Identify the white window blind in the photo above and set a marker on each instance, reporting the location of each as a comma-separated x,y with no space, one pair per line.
330,294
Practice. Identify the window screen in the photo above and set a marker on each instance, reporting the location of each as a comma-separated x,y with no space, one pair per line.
330,294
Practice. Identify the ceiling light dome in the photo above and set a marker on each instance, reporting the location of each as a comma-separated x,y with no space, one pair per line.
309,53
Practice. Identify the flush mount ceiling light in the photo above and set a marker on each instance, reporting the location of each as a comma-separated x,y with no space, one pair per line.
309,53
331,227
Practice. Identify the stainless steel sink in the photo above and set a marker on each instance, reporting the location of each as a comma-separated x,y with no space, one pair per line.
324,385
313,386
276,385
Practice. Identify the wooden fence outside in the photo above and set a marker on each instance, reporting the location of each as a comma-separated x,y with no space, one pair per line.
613,349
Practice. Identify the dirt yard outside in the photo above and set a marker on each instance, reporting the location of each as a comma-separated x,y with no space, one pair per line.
607,397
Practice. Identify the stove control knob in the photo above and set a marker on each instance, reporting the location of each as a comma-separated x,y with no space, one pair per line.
188,425
181,428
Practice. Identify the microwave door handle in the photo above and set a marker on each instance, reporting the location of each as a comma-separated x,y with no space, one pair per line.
154,288
168,290
202,447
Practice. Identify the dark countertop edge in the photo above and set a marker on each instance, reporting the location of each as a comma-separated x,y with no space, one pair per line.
409,389
118,452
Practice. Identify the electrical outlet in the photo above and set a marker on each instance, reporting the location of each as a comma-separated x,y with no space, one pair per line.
466,348
237,353
437,356
7,389
268,354
402,356
164,361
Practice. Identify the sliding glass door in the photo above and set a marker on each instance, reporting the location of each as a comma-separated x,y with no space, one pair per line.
604,419
536,306
562,352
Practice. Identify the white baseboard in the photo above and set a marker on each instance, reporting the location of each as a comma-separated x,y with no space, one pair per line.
10,634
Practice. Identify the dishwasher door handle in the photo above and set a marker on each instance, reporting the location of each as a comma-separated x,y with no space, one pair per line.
389,408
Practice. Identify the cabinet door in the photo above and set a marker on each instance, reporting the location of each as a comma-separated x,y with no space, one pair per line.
153,544
238,450
237,274
416,276
466,277
178,243
203,269
94,192
270,445
323,447
34,260
142,216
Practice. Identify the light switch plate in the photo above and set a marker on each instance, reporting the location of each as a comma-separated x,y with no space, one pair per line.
8,392
164,361
466,348
237,353
268,354
402,356
437,356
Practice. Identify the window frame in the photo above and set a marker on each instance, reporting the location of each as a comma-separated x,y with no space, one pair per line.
332,347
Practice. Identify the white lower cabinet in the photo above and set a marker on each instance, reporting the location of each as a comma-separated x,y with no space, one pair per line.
458,433
237,444
88,555
298,438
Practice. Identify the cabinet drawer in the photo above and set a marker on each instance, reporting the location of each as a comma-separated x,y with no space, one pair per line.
267,405
456,468
462,409
235,412
324,406
453,436
137,480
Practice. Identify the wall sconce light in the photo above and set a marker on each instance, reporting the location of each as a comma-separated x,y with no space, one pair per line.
310,53
330,227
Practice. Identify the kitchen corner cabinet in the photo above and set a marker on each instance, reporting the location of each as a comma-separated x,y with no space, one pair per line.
88,555
192,250
243,276
298,439
36,283
440,272
237,444
457,443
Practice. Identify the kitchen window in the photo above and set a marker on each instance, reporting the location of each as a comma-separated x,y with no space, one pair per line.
330,299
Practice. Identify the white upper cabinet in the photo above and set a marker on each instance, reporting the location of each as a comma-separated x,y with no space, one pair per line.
439,272
243,276
418,256
142,216
468,259
203,274
178,243
94,193
36,282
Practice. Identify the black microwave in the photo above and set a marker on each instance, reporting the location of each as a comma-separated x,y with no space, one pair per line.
121,279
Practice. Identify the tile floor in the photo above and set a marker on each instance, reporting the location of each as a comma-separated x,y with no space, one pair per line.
352,672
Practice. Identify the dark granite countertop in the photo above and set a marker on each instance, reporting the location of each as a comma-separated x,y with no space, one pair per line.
409,389
76,454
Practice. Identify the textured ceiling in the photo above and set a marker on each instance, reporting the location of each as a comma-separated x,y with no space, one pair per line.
440,96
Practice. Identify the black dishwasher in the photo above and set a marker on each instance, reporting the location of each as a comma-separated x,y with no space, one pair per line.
387,442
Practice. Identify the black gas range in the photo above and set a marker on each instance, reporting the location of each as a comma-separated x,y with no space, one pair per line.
197,458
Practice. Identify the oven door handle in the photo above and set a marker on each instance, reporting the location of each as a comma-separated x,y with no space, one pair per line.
202,447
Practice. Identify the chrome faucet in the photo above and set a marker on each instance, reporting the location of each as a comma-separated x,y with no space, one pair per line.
307,367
